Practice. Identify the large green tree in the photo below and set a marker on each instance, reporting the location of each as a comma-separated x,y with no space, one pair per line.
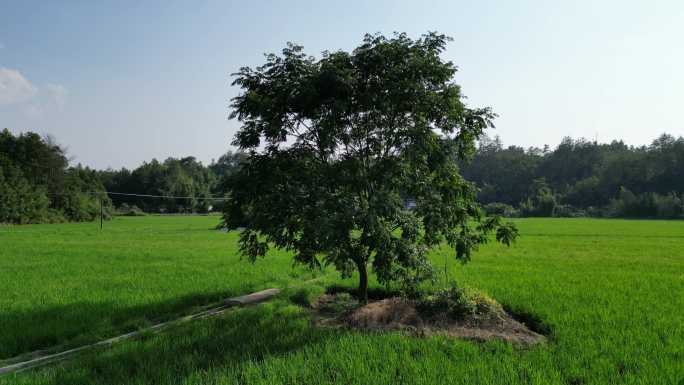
335,146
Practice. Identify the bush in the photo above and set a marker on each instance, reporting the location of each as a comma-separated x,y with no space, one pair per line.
669,206
596,212
646,205
567,211
502,209
541,202
460,302
129,211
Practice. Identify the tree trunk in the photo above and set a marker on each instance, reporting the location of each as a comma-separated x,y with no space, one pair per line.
363,282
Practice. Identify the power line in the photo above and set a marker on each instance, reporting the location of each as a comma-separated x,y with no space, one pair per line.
145,195
166,196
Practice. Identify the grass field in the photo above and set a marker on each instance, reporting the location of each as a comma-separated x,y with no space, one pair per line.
72,283
610,293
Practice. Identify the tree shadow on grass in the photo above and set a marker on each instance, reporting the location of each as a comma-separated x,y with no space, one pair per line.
530,319
56,328
219,344
374,292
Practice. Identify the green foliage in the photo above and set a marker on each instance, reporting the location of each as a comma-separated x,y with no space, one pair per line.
649,205
20,202
669,206
227,165
501,209
581,177
568,211
585,192
502,174
460,302
335,144
184,177
36,184
541,202
129,211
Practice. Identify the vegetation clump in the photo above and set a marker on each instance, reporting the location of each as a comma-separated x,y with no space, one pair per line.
460,303
455,311
129,211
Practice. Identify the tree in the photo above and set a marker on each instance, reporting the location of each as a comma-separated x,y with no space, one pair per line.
503,175
37,184
185,177
541,201
226,166
333,145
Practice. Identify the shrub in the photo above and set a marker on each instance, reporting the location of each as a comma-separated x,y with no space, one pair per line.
460,302
541,202
129,211
669,206
596,212
646,205
498,208
568,211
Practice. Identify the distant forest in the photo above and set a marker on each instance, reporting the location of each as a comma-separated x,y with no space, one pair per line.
183,177
581,178
577,178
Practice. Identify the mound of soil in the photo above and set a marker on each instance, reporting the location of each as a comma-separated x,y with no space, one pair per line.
398,314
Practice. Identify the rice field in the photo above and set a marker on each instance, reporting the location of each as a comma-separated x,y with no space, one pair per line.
609,294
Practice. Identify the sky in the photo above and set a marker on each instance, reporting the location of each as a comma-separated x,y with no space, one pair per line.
121,82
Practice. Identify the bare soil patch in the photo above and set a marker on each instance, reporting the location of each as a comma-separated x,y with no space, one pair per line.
398,314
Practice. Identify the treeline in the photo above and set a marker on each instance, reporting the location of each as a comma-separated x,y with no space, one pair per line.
191,185
577,178
37,185
581,178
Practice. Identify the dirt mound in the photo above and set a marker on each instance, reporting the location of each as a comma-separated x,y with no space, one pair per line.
403,315
391,313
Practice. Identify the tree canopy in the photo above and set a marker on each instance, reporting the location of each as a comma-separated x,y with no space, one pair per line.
336,145
182,177
582,178
37,185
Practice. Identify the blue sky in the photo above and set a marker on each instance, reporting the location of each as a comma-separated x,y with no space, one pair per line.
122,82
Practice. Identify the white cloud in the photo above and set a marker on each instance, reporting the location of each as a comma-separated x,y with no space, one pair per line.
14,87
35,101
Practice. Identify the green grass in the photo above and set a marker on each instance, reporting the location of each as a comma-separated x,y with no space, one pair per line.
610,293
74,283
